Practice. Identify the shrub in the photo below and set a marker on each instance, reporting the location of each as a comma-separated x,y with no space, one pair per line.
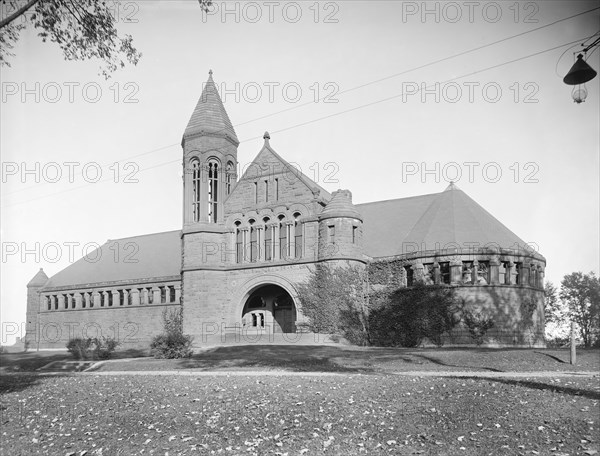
92,348
79,347
557,342
478,325
407,316
172,343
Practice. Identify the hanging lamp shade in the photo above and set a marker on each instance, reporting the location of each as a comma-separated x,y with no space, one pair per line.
580,72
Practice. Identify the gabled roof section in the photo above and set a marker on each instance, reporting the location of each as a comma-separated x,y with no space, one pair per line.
145,257
38,280
267,154
209,116
432,222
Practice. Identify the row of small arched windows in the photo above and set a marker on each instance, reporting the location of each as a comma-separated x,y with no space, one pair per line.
269,239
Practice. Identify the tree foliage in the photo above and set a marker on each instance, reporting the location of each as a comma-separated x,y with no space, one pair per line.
172,343
335,299
554,311
581,295
478,324
83,29
410,315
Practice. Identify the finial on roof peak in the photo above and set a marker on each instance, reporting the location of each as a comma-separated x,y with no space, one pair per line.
266,135
210,72
452,186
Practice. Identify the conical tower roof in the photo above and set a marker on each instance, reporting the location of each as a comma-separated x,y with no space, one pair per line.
340,205
38,280
453,217
436,221
209,116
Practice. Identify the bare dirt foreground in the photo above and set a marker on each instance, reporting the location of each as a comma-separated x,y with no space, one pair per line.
352,409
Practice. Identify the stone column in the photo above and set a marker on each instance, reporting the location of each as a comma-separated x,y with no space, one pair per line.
260,243
232,248
455,271
437,279
143,296
512,273
187,185
156,297
52,302
78,301
178,293
245,244
418,272
115,297
96,298
475,272
541,273
524,275
135,296
494,271
276,248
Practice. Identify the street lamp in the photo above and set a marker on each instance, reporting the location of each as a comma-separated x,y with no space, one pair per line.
578,75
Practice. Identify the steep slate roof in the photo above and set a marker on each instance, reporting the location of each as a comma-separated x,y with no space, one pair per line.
209,116
431,222
134,258
38,280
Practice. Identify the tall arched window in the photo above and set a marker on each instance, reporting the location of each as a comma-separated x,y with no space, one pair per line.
213,191
283,243
196,179
239,243
298,235
268,240
229,177
253,242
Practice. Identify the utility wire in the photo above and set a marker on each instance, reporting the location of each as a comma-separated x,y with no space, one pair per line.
328,116
434,62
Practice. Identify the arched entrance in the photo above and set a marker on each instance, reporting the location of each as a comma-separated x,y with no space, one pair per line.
269,308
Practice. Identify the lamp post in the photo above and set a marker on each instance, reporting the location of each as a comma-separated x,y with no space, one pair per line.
579,74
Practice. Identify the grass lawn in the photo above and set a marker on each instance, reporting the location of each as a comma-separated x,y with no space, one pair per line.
341,414
347,359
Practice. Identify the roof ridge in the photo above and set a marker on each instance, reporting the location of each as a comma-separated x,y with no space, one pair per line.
397,199
143,235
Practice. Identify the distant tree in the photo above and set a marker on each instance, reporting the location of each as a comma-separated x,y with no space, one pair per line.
84,30
581,295
554,311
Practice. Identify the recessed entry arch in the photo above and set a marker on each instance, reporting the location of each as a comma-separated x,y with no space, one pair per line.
267,304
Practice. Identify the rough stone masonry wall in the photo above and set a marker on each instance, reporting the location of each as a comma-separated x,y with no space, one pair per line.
214,300
132,326
517,312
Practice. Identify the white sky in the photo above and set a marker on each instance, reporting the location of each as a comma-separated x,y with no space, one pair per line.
550,138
